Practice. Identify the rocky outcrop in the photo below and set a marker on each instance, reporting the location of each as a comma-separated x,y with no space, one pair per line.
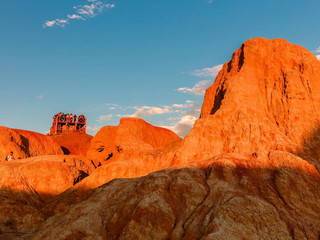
26,144
222,201
133,137
73,143
247,170
266,97
27,185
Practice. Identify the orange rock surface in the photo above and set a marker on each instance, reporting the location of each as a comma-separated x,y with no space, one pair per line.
249,169
266,97
26,144
211,203
73,142
133,137
27,184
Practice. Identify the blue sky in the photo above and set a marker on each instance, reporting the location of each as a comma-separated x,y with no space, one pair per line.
148,58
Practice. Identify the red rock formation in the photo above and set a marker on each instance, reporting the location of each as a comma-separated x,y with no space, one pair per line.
26,185
26,144
246,119
212,203
234,175
266,97
133,137
73,142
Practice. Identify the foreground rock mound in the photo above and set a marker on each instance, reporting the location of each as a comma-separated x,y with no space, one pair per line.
27,185
266,97
131,138
26,144
218,202
74,143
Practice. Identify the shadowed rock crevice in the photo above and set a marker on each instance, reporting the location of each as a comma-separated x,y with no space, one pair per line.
218,100
241,58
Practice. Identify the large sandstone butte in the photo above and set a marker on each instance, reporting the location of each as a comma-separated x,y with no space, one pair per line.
266,97
75,143
131,138
265,100
26,144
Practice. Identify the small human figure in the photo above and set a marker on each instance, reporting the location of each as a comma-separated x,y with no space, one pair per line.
75,118
67,117
71,117
10,157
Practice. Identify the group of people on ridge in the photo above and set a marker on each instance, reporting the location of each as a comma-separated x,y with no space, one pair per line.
68,117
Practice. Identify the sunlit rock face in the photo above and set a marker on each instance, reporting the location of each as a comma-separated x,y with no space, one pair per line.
217,202
131,138
249,169
266,97
74,143
26,144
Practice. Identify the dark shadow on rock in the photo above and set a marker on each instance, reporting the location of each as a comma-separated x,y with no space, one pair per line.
65,150
310,149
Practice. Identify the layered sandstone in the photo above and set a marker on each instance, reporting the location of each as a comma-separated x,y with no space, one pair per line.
75,143
266,97
26,185
133,137
222,201
26,144
247,170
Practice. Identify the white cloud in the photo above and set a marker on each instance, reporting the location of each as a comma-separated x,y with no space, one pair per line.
318,57
207,72
145,111
318,50
49,23
75,16
104,118
82,12
183,126
198,89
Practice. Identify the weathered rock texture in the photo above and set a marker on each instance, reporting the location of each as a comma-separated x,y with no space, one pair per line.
27,185
266,97
26,144
269,102
247,170
218,202
74,143
133,137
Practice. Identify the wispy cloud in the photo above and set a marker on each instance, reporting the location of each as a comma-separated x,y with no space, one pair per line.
207,72
146,111
198,89
183,126
41,96
81,12
105,118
